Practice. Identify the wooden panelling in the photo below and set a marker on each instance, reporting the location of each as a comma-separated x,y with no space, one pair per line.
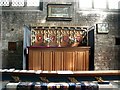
58,60
52,59
47,60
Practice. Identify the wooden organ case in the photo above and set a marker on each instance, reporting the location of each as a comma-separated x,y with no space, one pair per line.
52,49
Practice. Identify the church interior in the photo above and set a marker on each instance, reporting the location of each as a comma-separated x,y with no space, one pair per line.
59,45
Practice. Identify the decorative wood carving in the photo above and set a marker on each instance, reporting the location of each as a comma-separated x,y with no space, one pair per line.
58,36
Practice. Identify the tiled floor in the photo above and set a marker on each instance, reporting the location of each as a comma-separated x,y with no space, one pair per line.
116,85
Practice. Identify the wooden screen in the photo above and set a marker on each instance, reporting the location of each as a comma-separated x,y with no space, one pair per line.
50,59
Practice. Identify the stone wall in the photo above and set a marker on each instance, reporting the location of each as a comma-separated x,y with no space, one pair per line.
0,41
106,52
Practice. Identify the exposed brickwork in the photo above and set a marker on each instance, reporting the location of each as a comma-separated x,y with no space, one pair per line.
106,52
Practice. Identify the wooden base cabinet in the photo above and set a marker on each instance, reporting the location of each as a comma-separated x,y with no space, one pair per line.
52,59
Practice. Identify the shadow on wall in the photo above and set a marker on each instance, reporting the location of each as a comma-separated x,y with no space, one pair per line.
13,58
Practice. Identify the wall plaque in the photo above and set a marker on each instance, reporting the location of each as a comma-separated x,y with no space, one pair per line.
59,12
102,28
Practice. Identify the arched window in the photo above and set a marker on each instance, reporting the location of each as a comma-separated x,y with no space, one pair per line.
100,4
17,2
114,4
85,4
33,2
4,2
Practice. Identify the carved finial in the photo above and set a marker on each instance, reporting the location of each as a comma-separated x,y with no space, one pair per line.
16,78
99,79
44,79
72,79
